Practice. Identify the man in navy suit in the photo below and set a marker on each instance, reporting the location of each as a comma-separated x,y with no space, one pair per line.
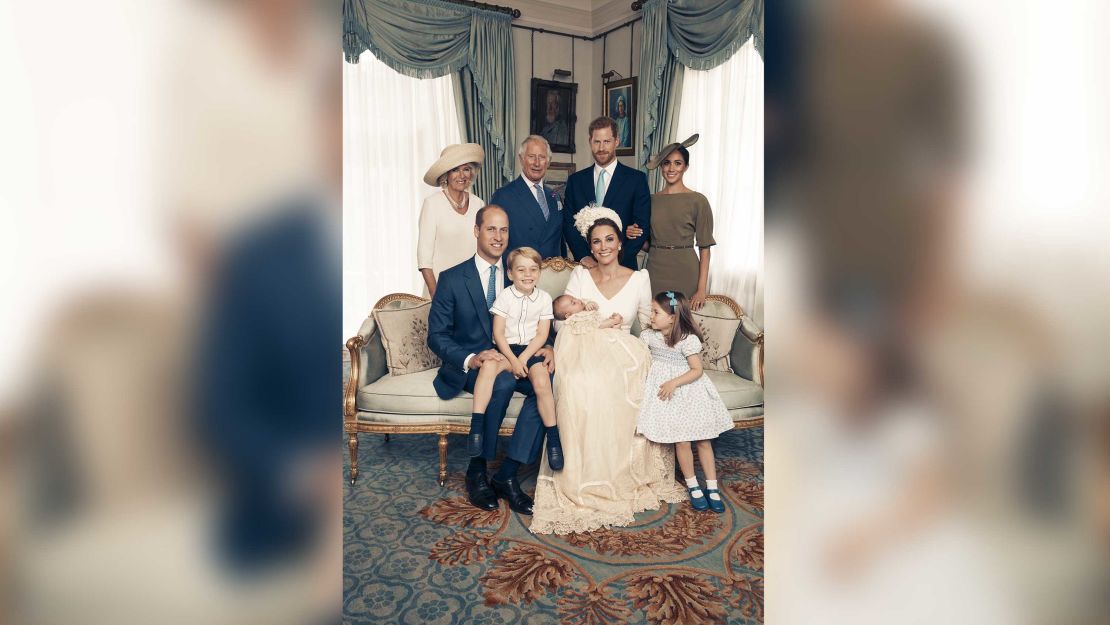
535,212
460,332
611,184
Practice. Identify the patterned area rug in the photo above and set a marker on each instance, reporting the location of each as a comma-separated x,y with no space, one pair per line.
416,553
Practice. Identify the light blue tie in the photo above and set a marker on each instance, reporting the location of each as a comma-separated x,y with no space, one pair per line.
541,197
491,289
599,189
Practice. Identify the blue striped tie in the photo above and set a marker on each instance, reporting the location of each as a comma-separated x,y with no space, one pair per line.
541,197
491,288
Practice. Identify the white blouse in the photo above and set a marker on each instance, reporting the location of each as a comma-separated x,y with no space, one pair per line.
446,237
634,299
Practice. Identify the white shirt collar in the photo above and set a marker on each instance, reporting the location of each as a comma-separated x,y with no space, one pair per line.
483,267
532,185
609,169
532,297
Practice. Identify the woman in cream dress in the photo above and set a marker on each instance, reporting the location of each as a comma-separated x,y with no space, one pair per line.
447,216
609,473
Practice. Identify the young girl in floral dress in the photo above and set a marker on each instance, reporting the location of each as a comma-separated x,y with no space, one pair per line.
680,403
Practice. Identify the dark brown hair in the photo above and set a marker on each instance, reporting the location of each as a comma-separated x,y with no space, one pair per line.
602,122
684,324
684,152
605,221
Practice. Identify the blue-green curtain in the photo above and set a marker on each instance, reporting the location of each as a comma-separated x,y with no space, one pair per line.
429,39
699,34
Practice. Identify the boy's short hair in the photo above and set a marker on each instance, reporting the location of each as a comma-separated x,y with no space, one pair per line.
526,252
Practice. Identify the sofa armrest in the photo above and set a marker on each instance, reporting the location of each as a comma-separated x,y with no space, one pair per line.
367,364
746,356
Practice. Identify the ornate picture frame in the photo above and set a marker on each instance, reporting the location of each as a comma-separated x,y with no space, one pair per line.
617,94
553,113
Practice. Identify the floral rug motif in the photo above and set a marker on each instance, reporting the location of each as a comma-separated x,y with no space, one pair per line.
419,553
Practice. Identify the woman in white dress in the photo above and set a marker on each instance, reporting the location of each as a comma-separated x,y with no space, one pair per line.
447,216
609,472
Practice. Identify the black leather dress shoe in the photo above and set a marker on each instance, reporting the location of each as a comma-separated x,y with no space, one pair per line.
518,500
479,493
474,445
554,455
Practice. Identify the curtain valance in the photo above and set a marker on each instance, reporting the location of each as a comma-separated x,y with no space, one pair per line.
699,34
702,35
429,39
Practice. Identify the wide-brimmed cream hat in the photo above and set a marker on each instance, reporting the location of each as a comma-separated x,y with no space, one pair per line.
670,147
451,157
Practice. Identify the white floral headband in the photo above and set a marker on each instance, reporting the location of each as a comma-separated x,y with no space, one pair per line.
587,216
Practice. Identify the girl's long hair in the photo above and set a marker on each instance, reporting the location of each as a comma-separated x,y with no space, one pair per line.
684,324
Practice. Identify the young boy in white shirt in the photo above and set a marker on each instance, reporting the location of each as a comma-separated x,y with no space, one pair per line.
522,315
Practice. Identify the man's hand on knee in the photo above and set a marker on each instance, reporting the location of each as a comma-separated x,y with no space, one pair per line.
548,356
483,356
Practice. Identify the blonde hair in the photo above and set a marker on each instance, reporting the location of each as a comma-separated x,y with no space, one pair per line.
526,252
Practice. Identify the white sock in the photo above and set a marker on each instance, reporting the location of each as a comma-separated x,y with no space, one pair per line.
692,482
712,485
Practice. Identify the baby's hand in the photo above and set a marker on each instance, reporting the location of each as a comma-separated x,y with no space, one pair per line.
616,318
591,306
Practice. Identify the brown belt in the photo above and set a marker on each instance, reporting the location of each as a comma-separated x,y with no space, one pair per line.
671,247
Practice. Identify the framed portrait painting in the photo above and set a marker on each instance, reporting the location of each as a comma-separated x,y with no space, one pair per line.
553,113
557,174
619,102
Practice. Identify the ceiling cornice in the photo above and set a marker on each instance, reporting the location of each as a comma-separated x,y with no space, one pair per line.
577,17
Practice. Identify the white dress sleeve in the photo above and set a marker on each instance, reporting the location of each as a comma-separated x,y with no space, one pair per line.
426,242
689,346
643,307
574,285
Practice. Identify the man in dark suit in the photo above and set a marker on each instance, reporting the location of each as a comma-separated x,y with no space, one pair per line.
460,332
535,212
611,184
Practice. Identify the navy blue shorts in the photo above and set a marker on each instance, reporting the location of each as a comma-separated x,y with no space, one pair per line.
517,350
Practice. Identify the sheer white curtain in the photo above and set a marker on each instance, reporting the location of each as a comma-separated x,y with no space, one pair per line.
394,127
725,105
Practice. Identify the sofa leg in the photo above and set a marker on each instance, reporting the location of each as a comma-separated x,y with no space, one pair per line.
352,444
387,438
442,459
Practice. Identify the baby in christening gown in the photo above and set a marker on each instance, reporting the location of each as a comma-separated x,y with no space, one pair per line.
580,319
611,473
566,306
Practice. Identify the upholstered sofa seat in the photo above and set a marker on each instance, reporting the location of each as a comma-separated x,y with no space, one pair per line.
376,401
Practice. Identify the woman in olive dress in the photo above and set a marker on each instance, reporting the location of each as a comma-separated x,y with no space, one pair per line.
680,219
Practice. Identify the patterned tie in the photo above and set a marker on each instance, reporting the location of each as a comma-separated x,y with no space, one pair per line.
541,197
599,189
491,289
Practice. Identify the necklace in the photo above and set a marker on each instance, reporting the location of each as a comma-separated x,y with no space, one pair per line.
459,207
